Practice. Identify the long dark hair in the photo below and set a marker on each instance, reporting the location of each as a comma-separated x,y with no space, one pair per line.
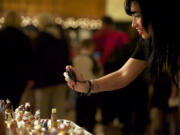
165,44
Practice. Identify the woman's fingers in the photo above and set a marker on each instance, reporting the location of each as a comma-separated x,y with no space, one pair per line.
69,67
71,84
77,86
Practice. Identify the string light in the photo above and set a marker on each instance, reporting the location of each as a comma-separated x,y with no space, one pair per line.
70,22
58,20
35,21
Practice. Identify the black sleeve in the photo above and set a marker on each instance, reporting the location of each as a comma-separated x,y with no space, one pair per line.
141,51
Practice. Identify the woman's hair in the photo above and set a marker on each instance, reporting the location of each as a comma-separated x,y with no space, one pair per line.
165,25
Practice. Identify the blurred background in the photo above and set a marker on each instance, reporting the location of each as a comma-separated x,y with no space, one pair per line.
40,37
66,10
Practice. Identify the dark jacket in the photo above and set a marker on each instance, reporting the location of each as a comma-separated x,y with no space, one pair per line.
16,62
51,59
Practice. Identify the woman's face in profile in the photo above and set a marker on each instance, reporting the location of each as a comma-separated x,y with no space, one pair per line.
137,21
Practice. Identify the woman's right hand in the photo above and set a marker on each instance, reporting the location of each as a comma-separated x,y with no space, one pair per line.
79,85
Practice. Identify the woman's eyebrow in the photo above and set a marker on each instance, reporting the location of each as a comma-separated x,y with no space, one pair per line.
135,12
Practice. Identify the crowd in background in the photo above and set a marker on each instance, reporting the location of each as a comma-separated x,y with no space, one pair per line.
33,60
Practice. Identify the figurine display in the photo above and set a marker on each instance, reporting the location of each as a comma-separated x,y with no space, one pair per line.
2,124
23,122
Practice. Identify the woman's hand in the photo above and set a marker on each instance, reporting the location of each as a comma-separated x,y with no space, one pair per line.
79,85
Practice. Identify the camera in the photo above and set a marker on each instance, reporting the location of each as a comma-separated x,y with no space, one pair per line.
71,74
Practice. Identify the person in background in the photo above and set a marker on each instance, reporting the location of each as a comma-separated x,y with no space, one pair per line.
90,68
109,42
31,31
64,37
16,59
28,95
51,57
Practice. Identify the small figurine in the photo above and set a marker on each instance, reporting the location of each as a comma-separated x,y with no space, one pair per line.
9,114
67,125
62,133
2,105
19,112
28,119
42,122
20,108
37,129
28,116
45,125
79,131
53,118
14,127
27,107
37,115
52,131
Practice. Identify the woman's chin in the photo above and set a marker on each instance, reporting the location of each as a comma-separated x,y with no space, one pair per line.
145,36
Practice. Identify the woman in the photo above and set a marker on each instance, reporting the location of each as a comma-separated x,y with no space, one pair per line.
156,50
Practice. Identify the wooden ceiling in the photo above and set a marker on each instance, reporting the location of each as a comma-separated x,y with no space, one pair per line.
63,8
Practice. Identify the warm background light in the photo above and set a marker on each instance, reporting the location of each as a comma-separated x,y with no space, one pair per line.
115,9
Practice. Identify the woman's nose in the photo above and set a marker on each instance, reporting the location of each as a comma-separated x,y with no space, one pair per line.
133,22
